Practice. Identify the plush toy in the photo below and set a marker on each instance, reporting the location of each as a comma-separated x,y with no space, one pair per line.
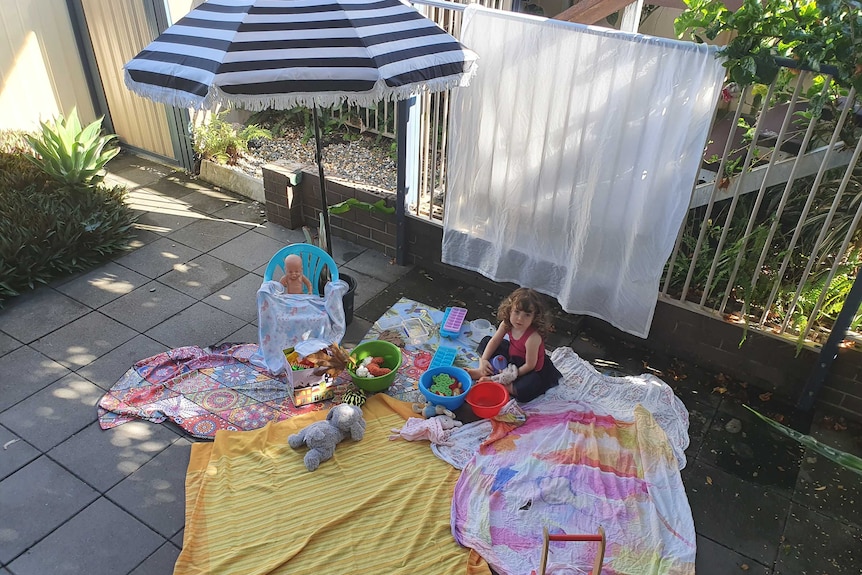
436,429
322,436
430,410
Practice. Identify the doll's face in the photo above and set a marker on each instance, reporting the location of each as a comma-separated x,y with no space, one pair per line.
293,267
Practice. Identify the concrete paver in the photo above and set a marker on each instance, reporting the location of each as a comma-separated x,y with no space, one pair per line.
55,413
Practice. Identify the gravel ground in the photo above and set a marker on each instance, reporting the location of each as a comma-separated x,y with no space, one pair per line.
358,161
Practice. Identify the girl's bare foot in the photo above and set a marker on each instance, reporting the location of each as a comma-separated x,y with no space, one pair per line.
474,373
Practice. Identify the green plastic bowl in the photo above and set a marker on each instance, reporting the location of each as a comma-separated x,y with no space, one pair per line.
391,355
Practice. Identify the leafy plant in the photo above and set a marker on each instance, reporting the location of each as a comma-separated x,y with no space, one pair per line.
70,154
49,228
811,33
222,142
321,240
842,458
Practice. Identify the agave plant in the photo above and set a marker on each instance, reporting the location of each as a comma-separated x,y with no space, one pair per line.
70,154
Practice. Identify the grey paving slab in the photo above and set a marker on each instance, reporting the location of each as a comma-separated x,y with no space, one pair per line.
8,343
155,493
209,200
248,251
202,276
178,538
417,285
106,370
158,213
104,457
141,235
84,340
16,452
823,485
811,544
246,334
356,330
377,265
25,371
34,501
30,316
158,258
147,306
247,212
54,413
162,561
200,324
367,287
105,283
715,559
127,169
740,443
238,298
344,251
281,234
205,235
700,416
177,187
743,516
100,540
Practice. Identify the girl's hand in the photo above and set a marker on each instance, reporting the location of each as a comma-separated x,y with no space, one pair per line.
485,367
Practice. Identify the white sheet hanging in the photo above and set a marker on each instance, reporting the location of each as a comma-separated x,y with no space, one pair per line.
573,156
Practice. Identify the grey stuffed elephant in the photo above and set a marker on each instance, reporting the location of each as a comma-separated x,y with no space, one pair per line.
322,436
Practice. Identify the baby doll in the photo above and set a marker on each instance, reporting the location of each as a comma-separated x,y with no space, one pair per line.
294,281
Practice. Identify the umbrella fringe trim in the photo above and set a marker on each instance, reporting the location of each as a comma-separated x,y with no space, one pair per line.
217,98
380,93
169,96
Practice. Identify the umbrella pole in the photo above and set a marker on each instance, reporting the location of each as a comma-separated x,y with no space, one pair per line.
324,204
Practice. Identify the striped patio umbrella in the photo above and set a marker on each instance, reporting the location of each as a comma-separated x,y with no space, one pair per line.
279,54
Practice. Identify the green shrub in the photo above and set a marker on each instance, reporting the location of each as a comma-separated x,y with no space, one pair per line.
51,226
221,142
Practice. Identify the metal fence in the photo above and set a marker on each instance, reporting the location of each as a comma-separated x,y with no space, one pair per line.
771,238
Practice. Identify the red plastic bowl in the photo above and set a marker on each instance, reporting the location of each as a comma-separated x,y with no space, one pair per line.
487,398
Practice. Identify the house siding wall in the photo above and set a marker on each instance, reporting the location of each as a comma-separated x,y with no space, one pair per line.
41,75
764,361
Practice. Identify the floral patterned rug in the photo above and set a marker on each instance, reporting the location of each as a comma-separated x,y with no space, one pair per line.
203,390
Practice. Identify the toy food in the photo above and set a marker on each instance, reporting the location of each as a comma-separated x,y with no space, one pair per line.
445,384
372,367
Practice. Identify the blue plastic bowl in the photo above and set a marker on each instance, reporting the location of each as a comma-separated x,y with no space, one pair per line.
449,402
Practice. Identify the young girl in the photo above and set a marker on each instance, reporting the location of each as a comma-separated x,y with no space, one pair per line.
523,317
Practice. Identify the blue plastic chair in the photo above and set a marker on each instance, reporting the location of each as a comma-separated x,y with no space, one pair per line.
314,261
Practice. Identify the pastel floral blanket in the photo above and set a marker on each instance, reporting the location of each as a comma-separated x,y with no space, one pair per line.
572,468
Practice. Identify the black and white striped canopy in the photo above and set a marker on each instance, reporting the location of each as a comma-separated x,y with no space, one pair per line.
283,53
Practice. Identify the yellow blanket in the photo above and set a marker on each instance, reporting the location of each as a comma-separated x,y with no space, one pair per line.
378,506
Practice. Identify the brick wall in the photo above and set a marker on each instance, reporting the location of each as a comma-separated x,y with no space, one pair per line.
764,361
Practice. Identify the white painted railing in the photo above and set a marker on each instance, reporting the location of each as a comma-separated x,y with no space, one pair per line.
771,237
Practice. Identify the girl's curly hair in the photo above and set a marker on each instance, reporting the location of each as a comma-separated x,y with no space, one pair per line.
528,300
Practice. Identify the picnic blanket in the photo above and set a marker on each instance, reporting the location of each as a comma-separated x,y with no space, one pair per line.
597,450
378,506
202,390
